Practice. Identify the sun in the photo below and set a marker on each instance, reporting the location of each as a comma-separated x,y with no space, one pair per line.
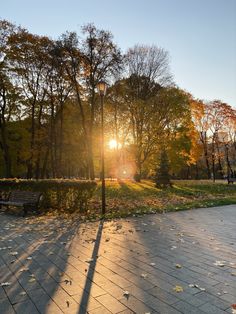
113,144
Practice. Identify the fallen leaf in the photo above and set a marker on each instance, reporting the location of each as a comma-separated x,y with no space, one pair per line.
178,289
196,286
13,253
68,281
233,308
220,263
178,266
89,260
23,269
5,284
32,280
126,293
23,293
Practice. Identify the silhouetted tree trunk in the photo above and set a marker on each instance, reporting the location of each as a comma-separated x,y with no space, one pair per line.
203,138
3,143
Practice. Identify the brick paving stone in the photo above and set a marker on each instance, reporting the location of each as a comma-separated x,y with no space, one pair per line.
26,307
6,307
87,301
46,305
2,293
111,303
38,294
163,295
101,310
186,308
135,305
81,267
223,305
211,309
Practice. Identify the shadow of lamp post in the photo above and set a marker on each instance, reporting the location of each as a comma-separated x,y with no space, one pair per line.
102,87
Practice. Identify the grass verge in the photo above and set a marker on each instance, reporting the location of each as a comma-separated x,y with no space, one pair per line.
126,198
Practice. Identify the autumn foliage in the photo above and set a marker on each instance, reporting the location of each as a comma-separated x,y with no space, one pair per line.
50,112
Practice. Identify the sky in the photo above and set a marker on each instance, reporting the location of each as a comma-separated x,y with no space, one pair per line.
200,35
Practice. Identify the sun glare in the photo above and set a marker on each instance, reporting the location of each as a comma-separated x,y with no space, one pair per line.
113,144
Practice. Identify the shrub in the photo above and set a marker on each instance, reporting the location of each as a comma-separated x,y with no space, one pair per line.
70,195
162,174
137,177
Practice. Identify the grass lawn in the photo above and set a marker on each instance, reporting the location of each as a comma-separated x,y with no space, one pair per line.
127,197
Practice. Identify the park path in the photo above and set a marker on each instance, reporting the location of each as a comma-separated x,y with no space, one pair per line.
182,262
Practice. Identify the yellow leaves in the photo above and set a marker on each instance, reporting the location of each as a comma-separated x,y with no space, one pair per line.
22,293
178,289
32,280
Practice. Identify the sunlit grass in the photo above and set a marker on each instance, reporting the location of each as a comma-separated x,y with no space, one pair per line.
126,197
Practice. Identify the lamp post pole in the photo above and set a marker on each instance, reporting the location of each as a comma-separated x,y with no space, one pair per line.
102,91
102,157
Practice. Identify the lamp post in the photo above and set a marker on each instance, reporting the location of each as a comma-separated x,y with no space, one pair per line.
102,86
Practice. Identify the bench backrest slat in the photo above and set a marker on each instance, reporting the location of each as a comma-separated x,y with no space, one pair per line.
24,196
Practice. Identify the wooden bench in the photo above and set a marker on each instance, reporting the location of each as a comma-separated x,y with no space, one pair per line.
231,180
27,199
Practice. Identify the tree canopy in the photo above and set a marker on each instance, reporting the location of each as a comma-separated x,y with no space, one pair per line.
50,111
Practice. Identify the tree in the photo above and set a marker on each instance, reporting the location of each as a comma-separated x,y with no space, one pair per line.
147,71
162,178
8,94
89,61
201,121
28,62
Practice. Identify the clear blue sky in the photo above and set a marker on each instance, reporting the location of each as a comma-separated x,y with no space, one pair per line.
200,35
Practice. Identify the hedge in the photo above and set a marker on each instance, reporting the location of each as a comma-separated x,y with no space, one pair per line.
70,195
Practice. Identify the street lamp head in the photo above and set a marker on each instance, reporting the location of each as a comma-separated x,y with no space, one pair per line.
102,88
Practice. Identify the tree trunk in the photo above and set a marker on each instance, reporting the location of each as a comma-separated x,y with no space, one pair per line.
219,160
60,171
203,138
6,152
90,158
3,142
197,173
30,162
43,172
229,169
52,141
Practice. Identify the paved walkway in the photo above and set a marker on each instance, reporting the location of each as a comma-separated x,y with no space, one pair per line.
134,265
